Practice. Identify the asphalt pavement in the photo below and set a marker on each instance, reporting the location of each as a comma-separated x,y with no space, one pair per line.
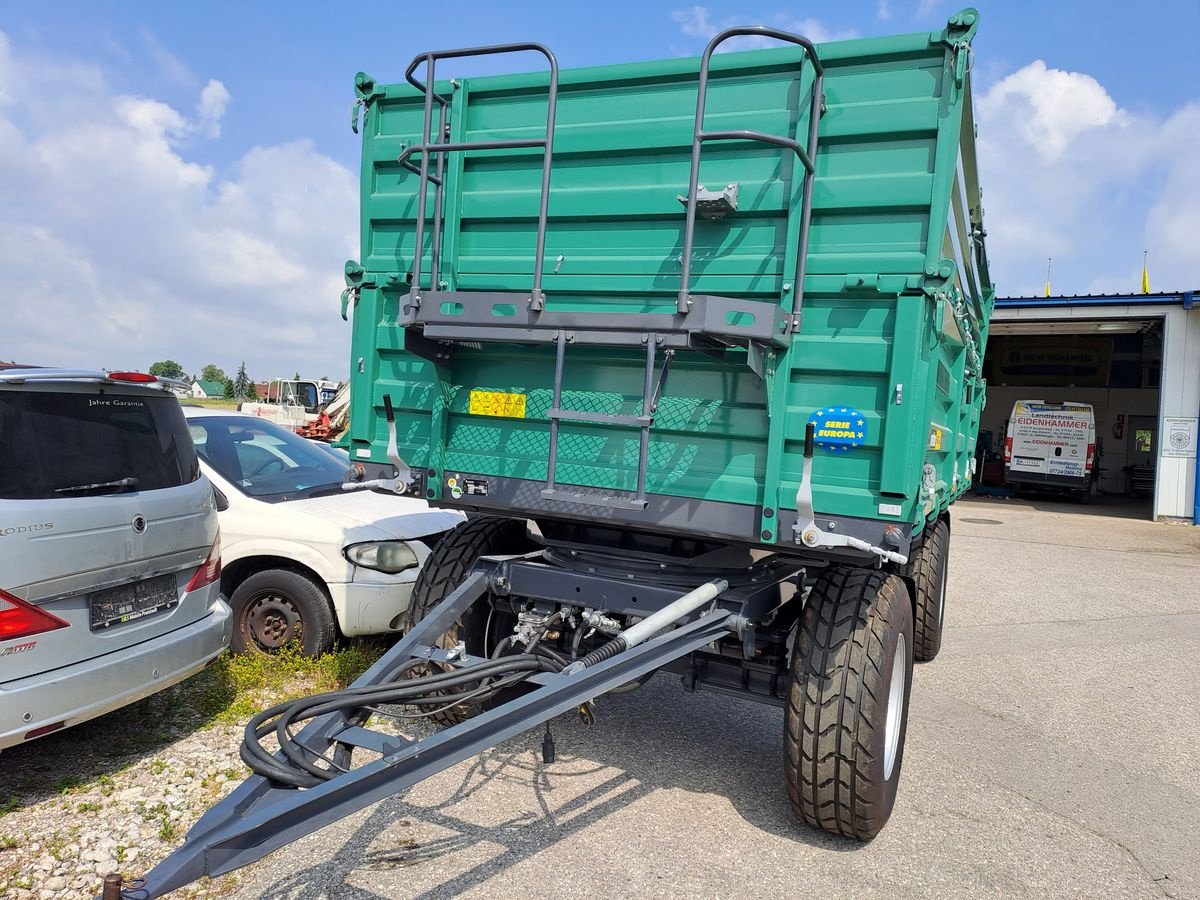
1053,750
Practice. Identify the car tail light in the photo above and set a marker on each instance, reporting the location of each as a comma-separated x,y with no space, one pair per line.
210,571
20,619
1087,466
1008,449
135,377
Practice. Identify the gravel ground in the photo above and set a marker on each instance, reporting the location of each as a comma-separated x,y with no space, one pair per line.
1051,752
115,794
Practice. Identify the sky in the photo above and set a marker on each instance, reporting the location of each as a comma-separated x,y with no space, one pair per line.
180,180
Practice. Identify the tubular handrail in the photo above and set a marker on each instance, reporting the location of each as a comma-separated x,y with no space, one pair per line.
427,147
807,155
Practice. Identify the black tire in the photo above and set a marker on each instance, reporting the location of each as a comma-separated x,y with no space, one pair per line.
276,607
445,569
841,774
929,567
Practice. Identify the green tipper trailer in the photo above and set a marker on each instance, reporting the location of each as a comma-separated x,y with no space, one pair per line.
691,416
697,343
681,311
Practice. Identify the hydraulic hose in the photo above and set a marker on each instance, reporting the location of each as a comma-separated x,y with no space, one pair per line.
300,765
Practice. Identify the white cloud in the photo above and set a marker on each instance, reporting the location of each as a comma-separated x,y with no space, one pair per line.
883,10
119,248
696,22
211,108
1068,173
1051,107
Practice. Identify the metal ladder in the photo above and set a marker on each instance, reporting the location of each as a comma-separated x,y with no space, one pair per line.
442,146
650,394
700,321
807,157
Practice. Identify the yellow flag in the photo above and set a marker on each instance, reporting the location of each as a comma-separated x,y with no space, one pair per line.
1145,277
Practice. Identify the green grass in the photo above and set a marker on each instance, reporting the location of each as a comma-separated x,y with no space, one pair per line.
239,685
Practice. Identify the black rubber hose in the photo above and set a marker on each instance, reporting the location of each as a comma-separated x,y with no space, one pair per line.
299,771
311,707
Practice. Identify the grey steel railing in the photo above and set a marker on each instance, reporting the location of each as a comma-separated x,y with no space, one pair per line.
806,155
442,146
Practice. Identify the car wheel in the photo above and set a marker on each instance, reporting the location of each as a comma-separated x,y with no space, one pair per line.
275,608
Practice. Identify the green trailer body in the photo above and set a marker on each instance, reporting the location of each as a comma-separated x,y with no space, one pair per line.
877,348
805,382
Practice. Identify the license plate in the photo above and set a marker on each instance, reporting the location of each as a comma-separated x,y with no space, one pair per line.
496,403
128,602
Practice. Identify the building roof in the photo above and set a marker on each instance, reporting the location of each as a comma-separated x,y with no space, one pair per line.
1169,298
212,388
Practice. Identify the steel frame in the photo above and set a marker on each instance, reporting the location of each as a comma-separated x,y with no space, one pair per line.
259,817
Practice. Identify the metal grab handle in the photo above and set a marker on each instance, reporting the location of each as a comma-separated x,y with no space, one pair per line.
807,155
427,147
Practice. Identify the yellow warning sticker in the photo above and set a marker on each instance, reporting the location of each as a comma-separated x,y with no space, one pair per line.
497,403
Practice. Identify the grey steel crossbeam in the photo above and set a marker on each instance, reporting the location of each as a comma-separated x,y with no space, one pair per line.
239,835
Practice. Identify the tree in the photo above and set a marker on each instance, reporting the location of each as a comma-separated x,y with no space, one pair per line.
228,389
212,373
167,368
242,388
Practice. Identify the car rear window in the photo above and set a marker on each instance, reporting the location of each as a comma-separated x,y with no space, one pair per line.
53,444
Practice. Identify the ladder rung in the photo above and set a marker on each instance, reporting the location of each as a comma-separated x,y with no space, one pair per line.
579,415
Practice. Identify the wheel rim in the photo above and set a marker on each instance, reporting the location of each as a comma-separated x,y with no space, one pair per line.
272,621
895,708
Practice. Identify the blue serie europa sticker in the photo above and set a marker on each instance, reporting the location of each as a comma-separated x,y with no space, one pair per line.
839,429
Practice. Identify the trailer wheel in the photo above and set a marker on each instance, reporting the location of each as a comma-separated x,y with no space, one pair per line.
848,701
445,569
929,576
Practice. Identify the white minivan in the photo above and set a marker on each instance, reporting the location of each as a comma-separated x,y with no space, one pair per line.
304,560
1051,444
110,560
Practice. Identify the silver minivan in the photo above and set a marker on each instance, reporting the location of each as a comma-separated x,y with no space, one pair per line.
109,548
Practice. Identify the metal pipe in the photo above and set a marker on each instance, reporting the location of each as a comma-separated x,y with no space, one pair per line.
437,203
644,436
814,120
1196,484
744,134
673,612
560,354
536,299
423,186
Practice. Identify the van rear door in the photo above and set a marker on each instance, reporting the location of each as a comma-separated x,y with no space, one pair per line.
1051,443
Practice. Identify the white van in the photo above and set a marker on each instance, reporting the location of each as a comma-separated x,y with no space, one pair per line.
1050,443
